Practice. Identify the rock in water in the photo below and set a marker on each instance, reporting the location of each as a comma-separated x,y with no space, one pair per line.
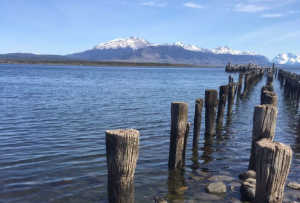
247,174
218,187
248,190
159,200
250,181
295,186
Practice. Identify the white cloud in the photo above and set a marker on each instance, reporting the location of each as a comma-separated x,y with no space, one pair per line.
275,15
293,12
192,5
250,8
152,3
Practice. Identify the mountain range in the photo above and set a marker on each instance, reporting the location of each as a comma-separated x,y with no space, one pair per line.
136,49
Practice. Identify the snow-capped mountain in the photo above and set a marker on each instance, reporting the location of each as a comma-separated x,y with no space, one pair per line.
287,59
139,50
132,42
227,50
190,47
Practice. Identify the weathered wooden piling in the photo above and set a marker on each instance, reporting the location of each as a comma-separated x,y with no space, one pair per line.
179,128
211,102
268,97
230,104
239,87
270,81
230,79
223,93
197,122
264,123
273,160
122,148
290,82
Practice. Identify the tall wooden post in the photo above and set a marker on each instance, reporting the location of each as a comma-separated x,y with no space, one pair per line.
268,98
211,102
122,149
197,122
273,160
223,93
240,86
230,98
264,123
179,127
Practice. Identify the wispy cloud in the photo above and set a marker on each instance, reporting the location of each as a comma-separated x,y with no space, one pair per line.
282,38
192,5
257,1
293,12
250,8
275,15
153,3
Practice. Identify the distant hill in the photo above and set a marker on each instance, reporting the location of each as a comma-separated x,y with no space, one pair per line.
27,56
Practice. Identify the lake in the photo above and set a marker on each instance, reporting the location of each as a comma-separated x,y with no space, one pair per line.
52,132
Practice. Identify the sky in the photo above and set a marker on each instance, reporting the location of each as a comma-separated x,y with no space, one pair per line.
266,27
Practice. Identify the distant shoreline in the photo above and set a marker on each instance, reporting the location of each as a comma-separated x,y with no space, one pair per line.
102,63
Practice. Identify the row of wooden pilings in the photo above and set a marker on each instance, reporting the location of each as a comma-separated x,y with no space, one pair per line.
122,145
249,67
270,160
291,83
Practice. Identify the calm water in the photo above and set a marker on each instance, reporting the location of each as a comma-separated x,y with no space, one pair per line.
52,132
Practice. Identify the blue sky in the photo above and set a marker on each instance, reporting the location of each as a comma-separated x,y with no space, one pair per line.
266,27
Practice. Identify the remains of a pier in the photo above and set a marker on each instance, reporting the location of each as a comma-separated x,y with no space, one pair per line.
179,133
122,148
197,122
252,74
211,103
291,83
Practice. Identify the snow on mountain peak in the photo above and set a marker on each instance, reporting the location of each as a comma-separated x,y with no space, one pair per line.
226,50
287,59
138,43
132,42
190,47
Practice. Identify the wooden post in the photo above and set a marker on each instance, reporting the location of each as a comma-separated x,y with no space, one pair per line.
230,99
223,93
298,94
197,122
186,135
230,79
211,102
273,160
179,112
268,97
240,85
264,123
122,149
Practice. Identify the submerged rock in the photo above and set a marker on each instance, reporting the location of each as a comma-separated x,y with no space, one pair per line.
220,178
295,186
217,187
247,190
159,200
247,174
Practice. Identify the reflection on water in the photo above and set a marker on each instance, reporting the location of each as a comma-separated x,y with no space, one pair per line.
52,132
